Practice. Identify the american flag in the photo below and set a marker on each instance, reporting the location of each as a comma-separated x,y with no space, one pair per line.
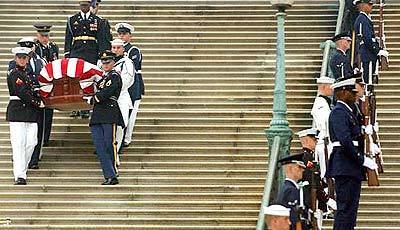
85,72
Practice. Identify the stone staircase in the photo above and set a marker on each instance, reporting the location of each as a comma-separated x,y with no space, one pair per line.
199,155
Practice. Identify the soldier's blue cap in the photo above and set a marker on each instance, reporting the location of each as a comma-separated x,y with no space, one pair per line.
293,159
43,28
355,2
341,36
107,56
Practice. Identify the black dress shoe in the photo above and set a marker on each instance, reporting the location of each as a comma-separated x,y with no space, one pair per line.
35,166
20,181
110,181
46,144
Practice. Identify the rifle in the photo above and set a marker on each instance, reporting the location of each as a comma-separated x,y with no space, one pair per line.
384,61
372,175
331,184
374,137
301,207
315,186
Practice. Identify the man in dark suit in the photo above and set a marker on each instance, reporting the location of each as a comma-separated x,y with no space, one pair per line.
289,195
347,158
48,51
106,117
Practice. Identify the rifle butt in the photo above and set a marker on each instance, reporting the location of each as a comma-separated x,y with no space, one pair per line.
373,179
384,64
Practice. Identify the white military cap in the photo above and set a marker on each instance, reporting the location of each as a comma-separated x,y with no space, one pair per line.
307,132
276,210
349,84
21,50
117,42
26,39
124,27
325,80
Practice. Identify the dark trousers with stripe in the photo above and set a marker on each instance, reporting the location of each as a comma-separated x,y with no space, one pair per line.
48,121
348,191
103,136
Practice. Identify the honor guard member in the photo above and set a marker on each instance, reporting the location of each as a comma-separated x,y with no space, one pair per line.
48,51
277,217
106,117
36,63
136,91
347,158
368,45
340,63
125,67
289,195
84,39
22,114
320,112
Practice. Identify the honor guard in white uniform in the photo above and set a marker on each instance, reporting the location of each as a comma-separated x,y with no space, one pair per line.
136,91
124,66
22,114
320,112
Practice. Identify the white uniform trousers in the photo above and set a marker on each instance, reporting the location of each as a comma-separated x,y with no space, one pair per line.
124,107
23,141
131,122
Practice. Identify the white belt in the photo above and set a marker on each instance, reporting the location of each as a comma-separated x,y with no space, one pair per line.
15,98
337,144
138,71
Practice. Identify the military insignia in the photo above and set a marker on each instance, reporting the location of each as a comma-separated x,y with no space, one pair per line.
19,81
108,83
101,85
76,23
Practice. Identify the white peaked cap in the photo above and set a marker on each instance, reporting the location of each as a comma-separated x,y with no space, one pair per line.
21,50
117,42
348,83
27,39
124,25
276,210
307,132
325,80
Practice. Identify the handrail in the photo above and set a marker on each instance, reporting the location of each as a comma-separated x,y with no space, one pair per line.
273,160
328,44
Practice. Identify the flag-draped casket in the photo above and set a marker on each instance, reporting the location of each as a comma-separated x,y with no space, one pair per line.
64,82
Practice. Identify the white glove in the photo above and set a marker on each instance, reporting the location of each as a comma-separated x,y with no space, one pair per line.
356,70
42,105
384,53
319,216
369,129
376,127
332,204
375,149
88,99
369,163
